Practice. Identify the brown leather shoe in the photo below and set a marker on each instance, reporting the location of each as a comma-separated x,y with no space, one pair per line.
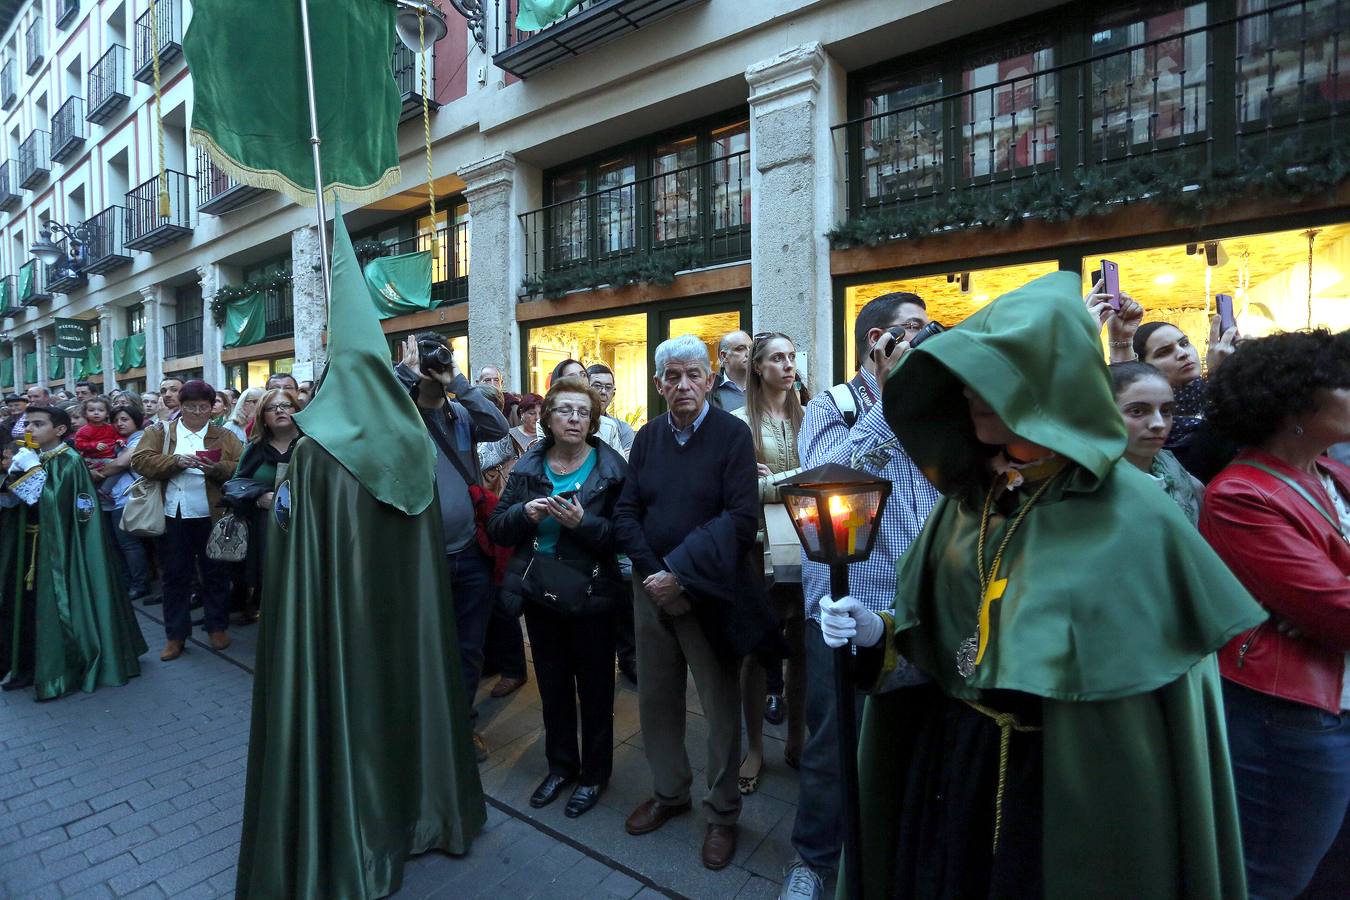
719,846
505,686
651,815
219,640
172,650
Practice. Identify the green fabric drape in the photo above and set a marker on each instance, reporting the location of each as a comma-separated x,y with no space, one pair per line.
56,366
400,284
30,373
7,372
537,14
93,362
26,275
129,352
6,300
250,108
245,320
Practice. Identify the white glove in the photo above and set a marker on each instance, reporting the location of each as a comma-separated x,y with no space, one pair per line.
846,619
26,458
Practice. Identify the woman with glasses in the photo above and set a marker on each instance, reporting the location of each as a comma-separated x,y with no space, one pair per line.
264,462
556,513
773,410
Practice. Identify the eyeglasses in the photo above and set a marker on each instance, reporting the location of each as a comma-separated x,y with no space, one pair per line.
279,407
568,412
197,409
602,388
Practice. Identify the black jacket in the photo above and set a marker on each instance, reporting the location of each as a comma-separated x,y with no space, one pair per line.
590,544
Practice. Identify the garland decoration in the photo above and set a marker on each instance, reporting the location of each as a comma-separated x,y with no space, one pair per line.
231,293
367,250
1289,170
658,267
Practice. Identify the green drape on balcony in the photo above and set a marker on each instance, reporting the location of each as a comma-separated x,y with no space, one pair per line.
30,368
537,14
27,272
400,284
6,301
56,366
129,352
93,363
7,372
245,320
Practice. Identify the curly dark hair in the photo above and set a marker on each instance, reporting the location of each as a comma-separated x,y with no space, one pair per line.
1267,380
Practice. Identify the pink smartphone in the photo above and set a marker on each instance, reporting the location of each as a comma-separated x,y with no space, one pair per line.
1111,282
1227,320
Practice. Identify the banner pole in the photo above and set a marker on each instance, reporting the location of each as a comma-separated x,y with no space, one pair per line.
319,210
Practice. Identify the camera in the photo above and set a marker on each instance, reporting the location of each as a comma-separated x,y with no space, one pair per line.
925,333
434,356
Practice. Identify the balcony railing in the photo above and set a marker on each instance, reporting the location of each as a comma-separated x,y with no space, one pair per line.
8,93
146,228
278,313
449,267
408,75
586,26
218,193
169,21
68,130
698,213
35,159
66,12
9,187
1163,101
33,283
65,275
33,46
183,338
106,247
108,91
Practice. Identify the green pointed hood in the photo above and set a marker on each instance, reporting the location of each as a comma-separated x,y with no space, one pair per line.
1034,355
361,413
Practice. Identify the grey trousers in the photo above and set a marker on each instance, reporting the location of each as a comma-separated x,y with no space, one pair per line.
667,649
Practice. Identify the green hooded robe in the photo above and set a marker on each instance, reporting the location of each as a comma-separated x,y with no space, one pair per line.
86,633
1111,612
360,753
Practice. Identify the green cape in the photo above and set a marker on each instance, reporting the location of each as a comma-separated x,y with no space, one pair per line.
1113,607
360,752
87,635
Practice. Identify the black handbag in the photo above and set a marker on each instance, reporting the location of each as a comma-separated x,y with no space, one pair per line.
241,493
562,586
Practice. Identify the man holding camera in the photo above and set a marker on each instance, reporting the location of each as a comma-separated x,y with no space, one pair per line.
846,425
456,427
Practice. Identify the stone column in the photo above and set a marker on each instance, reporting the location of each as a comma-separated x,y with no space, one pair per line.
153,298
106,318
20,356
795,192
213,370
308,311
40,348
497,189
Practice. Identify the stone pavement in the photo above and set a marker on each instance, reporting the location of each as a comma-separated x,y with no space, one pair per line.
138,791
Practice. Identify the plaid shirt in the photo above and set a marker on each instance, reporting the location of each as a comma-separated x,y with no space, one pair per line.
870,446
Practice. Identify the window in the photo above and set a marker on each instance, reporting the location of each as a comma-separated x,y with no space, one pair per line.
1008,110
136,318
1293,62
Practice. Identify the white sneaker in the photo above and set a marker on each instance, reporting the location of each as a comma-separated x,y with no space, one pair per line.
802,883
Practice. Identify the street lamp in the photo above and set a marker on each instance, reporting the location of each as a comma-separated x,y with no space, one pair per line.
835,511
49,252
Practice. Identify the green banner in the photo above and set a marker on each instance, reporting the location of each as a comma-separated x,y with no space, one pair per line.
93,362
6,301
400,284
7,373
537,14
245,320
30,368
26,286
77,370
56,366
129,352
72,338
251,109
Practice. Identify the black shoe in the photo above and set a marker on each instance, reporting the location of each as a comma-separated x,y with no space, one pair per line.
628,668
583,798
548,790
773,709
17,684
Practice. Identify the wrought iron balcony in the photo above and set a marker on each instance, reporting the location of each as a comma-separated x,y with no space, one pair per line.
8,93
1215,94
66,276
699,214
183,338
108,91
66,12
33,46
9,188
169,23
278,313
408,75
33,283
449,267
146,228
35,159
68,130
105,249
218,193
586,26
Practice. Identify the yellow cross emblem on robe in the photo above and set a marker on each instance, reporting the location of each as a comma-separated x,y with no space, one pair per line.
991,593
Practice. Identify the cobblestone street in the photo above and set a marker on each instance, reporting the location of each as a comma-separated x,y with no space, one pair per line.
138,791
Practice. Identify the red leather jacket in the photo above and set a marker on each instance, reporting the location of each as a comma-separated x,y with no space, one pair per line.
1296,565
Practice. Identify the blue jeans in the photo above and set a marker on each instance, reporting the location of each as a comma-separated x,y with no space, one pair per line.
471,584
131,559
1291,767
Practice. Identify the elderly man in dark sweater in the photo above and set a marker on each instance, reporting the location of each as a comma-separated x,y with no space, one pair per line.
687,518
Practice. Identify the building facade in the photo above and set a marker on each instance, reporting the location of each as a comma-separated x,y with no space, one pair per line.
637,170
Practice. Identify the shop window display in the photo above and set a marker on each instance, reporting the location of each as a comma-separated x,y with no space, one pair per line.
619,342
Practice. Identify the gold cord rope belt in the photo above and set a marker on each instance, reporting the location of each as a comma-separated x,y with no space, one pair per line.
32,562
1007,723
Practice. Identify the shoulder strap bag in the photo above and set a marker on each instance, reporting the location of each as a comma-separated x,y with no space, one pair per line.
143,513
563,586
1301,491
